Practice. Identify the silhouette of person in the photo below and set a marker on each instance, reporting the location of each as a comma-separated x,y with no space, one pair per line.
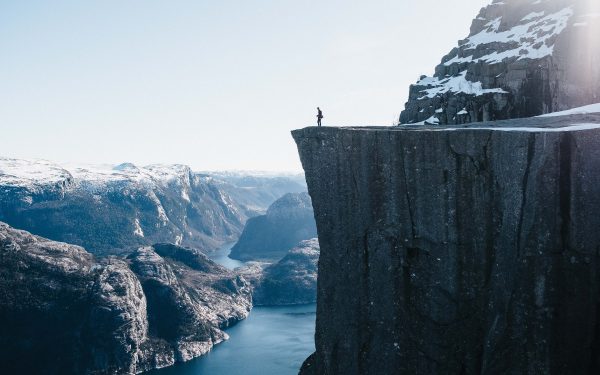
319,116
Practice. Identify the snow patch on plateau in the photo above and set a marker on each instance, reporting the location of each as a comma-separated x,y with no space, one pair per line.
592,108
32,173
573,127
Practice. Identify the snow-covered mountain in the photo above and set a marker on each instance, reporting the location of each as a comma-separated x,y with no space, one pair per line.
110,208
522,58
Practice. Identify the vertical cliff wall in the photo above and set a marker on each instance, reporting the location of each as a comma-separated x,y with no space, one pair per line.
457,251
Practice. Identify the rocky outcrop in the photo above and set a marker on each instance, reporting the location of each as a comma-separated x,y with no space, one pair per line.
291,281
522,58
269,237
460,250
190,299
113,209
64,312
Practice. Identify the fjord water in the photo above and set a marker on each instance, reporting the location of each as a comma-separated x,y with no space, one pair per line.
271,341
221,257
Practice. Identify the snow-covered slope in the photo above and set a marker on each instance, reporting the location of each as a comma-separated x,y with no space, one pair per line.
592,108
109,208
42,173
521,58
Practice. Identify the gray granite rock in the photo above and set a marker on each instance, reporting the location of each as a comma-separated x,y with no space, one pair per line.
457,250
521,58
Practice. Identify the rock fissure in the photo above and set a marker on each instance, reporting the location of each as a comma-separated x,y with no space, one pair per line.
565,181
524,186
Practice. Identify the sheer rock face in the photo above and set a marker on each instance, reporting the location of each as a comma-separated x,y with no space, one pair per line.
269,237
64,312
291,281
522,58
456,252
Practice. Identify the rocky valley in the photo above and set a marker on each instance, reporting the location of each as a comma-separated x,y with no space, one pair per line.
139,299
76,314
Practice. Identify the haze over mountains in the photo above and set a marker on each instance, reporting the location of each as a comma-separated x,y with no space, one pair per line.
110,209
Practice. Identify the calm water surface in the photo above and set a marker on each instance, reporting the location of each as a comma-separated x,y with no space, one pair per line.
221,256
272,341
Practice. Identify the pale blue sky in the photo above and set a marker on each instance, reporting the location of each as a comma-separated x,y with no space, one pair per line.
212,84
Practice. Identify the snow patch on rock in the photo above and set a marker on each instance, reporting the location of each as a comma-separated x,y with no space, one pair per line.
457,84
531,39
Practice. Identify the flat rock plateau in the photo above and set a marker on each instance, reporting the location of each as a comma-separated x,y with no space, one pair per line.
457,249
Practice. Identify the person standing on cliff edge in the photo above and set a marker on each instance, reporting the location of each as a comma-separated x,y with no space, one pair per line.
319,116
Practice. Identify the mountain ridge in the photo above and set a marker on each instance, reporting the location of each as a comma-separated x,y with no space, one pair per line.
115,208
522,58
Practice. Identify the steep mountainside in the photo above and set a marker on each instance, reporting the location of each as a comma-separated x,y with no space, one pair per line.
522,58
457,250
114,208
258,190
291,281
288,221
64,312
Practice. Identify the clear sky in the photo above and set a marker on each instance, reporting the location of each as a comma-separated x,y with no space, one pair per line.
213,84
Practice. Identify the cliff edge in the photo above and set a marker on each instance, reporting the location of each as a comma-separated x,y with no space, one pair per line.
457,250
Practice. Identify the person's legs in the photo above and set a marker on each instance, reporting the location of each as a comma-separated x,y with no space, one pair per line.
319,121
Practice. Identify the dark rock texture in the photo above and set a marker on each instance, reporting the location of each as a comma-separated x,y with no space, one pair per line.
291,281
522,58
288,221
64,312
465,251
190,299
